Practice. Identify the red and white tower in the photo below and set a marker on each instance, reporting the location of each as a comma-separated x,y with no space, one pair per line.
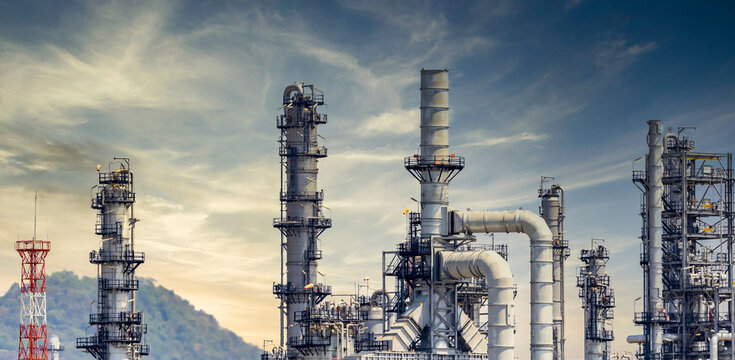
32,344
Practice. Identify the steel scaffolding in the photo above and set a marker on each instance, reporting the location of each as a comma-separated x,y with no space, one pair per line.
696,262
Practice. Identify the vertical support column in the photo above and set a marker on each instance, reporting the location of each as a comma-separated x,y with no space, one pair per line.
654,175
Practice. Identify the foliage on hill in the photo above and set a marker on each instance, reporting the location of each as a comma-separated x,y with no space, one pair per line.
175,329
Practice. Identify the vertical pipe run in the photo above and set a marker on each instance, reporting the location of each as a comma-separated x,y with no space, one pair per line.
654,175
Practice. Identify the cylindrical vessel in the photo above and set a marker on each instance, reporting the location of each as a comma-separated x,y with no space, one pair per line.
654,175
550,209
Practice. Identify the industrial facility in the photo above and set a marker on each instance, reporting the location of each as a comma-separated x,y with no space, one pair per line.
454,298
445,295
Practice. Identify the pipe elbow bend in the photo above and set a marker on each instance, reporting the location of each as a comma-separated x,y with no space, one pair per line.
533,225
495,269
292,88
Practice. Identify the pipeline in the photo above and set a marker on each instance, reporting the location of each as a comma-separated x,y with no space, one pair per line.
522,221
714,344
491,266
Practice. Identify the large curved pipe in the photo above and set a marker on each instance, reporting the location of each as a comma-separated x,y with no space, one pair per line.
714,344
491,266
295,87
522,221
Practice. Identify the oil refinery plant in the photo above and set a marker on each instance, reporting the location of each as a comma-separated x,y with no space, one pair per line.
445,295
454,298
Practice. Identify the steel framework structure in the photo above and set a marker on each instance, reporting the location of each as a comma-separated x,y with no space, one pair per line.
696,261
598,301
33,332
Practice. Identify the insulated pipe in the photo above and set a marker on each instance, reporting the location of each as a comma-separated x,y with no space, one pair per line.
523,221
640,339
654,201
491,266
714,344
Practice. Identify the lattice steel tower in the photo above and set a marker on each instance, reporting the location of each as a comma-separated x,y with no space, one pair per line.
687,212
33,333
119,326
553,212
598,301
301,222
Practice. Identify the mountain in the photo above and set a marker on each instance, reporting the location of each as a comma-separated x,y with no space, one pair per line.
175,329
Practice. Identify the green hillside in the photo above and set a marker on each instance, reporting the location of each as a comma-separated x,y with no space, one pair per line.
175,329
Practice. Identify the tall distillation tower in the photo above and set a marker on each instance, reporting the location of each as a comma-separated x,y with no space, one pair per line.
301,222
553,211
119,326
598,301
33,332
686,253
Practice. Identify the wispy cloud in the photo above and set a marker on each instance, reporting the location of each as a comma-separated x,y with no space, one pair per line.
505,140
397,122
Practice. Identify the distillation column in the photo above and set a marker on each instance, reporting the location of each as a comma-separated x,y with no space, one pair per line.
598,300
553,213
120,329
301,220
654,175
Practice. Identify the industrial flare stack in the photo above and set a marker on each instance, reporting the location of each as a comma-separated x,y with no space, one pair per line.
119,326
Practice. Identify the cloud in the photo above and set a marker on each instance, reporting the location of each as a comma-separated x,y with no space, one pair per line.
616,55
505,140
397,122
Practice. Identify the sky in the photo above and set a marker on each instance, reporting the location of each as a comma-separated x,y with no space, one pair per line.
190,90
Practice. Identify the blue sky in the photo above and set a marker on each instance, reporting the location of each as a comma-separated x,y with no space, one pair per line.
189,90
